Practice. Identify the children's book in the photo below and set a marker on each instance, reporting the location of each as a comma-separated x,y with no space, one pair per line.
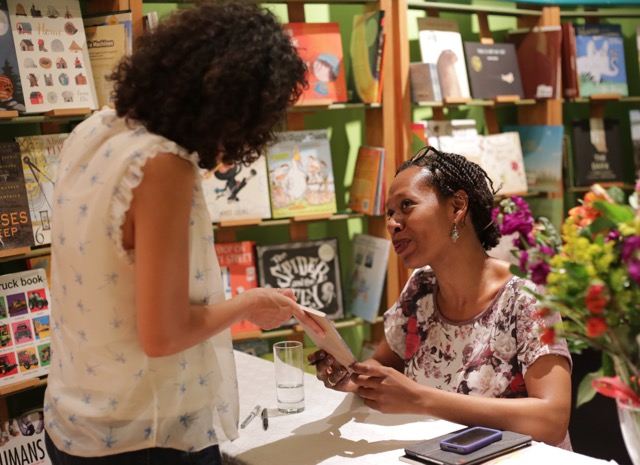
107,46
40,158
53,59
455,136
368,275
237,192
11,95
366,51
425,84
568,59
310,268
301,178
23,439
238,266
600,59
320,46
493,70
25,311
441,45
501,158
366,194
118,17
542,152
596,156
15,220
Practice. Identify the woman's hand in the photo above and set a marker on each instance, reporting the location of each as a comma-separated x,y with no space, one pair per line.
330,372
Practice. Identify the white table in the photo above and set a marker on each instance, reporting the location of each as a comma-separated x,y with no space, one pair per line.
338,429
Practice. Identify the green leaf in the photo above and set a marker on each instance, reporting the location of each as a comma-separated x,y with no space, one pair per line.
616,194
601,224
617,213
585,390
517,271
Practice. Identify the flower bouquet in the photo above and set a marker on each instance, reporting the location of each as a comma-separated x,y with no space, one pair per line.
590,274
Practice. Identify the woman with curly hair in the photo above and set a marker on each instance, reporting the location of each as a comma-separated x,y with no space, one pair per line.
143,368
462,342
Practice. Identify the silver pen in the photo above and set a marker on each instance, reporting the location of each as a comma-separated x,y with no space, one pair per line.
251,416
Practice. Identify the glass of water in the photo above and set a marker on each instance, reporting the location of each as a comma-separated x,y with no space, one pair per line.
288,358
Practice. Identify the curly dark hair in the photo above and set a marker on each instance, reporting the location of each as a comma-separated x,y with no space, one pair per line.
448,173
215,78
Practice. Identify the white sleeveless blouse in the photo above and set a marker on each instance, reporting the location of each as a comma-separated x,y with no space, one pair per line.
104,395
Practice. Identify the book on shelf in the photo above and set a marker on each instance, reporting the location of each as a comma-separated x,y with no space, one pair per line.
42,262
596,155
107,46
366,194
301,178
11,95
368,275
53,59
15,220
600,59
538,52
366,50
493,70
310,268
320,46
542,152
237,192
441,44
25,328
501,158
569,65
425,84
456,136
123,17
23,439
634,122
238,267
40,159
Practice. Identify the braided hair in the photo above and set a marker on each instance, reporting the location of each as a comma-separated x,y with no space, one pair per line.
448,173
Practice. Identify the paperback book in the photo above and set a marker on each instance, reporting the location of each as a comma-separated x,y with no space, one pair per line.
301,178
493,70
22,439
15,220
366,194
310,268
11,95
366,51
25,329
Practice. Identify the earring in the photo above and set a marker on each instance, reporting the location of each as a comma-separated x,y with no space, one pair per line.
455,234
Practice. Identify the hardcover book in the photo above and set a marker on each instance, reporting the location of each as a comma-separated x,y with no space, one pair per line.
40,158
301,178
236,192
15,220
600,59
542,152
366,51
320,46
11,96
118,17
107,46
456,136
493,70
23,439
366,194
238,267
53,60
310,268
570,81
538,52
368,275
501,158
441,45
425,84
25,330
596,152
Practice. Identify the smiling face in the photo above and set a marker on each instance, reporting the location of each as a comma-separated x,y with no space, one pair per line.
418,221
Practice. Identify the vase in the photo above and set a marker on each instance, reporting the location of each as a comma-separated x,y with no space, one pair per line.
629,417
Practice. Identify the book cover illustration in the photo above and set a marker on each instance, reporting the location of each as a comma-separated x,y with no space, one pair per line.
235,192
301,178
493,70
501,158
53,60
40,158
368,275
107,46
320,46
455,136
634,121
597,156
425,84
238,267
600,59
538,52
25,330
366,50
22,439
310,268
11,96
542,152
441,45
15,219
366,191
109,19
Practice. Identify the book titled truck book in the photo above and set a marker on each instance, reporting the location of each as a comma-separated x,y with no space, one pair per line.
310,268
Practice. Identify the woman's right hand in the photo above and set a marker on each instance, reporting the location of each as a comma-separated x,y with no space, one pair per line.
330,372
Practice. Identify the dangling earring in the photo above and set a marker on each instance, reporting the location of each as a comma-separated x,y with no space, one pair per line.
455,234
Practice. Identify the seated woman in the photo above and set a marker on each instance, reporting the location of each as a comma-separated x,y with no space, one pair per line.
463,340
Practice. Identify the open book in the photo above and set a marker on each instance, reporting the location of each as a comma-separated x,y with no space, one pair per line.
332,342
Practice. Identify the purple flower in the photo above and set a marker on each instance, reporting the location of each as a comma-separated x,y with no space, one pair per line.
613,236
634,270
539,272
524,257
629,247
545,249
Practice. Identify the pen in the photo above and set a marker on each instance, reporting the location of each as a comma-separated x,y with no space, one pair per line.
251,416
265,419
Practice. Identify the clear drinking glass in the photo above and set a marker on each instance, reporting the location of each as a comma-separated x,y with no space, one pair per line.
288,358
